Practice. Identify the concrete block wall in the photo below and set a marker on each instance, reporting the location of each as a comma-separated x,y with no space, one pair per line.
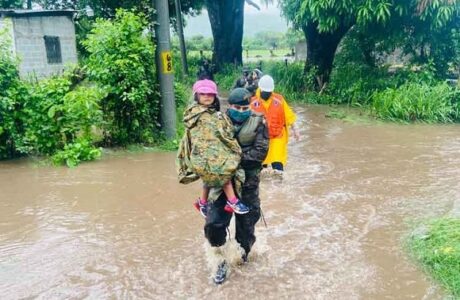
30,44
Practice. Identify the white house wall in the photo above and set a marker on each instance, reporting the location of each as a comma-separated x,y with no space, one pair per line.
30,44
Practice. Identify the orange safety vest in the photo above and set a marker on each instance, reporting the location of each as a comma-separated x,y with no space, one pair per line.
274,114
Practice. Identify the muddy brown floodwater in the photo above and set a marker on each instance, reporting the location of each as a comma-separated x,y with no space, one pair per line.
123,228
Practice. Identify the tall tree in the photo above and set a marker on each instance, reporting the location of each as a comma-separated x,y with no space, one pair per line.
325,23
227,18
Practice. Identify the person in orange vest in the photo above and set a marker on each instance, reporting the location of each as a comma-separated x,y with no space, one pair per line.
280,119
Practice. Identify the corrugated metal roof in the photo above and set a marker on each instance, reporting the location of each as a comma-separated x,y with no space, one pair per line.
18,13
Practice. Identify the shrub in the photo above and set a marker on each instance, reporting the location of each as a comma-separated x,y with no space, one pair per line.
121,59
417,102
290,80
55,115
80,150
354,83
12,90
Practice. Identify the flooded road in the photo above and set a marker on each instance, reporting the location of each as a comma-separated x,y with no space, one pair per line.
123,228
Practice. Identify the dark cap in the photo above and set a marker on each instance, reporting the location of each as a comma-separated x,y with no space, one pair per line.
240,96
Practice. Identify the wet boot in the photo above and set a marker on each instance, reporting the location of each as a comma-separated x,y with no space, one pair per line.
278,174
221,273
245,258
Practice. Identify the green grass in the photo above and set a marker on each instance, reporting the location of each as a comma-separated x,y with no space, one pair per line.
437,248
417,102
354,115
263,53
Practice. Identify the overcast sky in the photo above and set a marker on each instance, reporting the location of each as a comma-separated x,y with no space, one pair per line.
267,19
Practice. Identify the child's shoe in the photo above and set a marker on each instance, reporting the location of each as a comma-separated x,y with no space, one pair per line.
202,208
228,209
221,273
238,207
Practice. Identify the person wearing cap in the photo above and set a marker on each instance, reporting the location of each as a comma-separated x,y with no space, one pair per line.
280,118
208,149
252,135
205,70
253,81
243,80
249,80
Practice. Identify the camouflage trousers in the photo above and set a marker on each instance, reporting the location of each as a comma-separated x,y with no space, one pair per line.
217,220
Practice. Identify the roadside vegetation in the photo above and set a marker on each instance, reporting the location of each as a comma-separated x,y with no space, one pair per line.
436,247
110,100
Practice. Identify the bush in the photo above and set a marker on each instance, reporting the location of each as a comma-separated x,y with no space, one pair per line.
12,90
290,80
227,77
355,83
417,102
80,150
55,115
437,249
121,59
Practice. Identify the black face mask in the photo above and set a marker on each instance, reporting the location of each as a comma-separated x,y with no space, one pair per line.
265,95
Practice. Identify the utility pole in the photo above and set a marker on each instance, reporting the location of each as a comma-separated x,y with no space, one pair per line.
165,68
180,32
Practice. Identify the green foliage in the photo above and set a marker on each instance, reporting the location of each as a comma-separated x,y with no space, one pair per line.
107,8
417,102
424,29
273,40
437,248
49,116
11,92
196,43
80,150
354,83
227,76
54,115
330,15
11,3
121,59
290,80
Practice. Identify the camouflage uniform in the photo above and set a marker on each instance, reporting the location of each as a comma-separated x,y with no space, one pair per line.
208,149
253,138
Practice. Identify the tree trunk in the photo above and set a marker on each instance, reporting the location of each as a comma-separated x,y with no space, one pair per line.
227,18
321,48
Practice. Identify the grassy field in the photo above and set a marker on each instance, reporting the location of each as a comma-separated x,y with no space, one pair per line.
250,53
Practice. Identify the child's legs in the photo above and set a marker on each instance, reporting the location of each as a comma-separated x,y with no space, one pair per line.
229,192
204,194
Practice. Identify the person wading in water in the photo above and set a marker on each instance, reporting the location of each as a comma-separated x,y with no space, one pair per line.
280,117
251,133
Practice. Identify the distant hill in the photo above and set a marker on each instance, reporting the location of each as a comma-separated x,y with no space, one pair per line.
253,22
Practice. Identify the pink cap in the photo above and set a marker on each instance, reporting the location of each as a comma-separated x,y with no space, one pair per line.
205,87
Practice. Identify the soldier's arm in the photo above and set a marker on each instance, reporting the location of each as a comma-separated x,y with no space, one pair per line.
258,151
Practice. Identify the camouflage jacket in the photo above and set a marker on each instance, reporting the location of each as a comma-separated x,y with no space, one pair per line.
208,149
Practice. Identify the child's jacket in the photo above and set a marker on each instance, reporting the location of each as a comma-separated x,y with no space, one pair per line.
208,149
